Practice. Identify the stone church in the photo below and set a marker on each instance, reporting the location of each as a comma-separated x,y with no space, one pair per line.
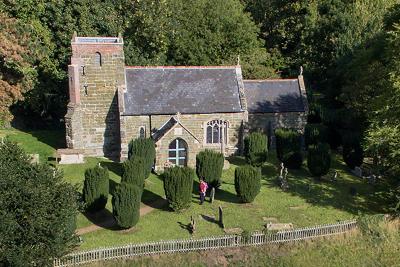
185,109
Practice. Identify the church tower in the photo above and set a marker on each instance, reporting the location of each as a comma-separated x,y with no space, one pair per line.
96,73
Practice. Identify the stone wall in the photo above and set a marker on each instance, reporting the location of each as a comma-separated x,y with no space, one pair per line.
92,120
268,122
192,129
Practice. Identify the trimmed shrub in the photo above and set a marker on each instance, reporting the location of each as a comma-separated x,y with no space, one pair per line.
353,155
178,187
126,204
209,165
255,148
145,148
315,133
96,188
319,159
288,147
247,182
134,171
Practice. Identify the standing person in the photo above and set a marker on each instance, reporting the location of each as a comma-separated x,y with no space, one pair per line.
203,189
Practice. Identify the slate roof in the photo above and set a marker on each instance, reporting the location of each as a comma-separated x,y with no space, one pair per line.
190,90
270,96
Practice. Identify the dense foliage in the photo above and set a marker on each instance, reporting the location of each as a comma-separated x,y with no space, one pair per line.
255,148
144,148
134,171
126,204
209,165
288,147
316,133
247,182
37,211
353,155
178,187
96,188
319,159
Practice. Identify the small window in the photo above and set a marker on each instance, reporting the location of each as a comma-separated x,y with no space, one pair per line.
97,59
216,131
142,132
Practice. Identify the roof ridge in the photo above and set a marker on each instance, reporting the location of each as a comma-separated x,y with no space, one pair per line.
182,67
271,80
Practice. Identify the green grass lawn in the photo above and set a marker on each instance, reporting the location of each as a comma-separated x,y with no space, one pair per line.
307,202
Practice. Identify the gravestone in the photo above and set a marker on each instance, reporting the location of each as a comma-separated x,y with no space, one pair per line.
220,217
212,195
357,172
192,226
34,158
279,226
334,177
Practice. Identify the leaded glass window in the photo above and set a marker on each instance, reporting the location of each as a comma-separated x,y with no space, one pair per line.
217,130
177,152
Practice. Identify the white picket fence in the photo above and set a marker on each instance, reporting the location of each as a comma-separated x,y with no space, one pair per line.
207,243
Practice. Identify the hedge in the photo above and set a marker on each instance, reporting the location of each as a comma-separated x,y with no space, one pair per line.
315,133
96,188
319,159
247,182
209,165
145,148
134,171
126,204
255,148
288,147
178,186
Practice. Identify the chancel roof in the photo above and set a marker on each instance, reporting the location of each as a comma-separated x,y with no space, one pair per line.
273,96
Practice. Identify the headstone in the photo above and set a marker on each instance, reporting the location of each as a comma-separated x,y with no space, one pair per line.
34,158
220,217
282,168
286,173
334,177
279,226
357,172
192,225
212,195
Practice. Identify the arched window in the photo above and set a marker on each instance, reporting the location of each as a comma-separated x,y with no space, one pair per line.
142,132
216,131
177,152
97,59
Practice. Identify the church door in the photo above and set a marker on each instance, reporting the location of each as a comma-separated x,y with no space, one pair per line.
177,152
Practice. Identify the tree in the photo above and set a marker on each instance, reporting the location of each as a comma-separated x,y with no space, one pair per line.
135,170
144,148
18,52
126,205
37,210
178,187
209,165
96,188
319,159
288,147
255,148
316,133
247,182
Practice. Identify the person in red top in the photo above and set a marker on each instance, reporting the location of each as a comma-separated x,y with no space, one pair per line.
203,189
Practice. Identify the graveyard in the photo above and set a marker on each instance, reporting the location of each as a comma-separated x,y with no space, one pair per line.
305,201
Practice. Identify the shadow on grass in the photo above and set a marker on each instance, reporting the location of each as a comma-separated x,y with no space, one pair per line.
53,138
347,193
237,160
226,196
103,219
114,167
154,201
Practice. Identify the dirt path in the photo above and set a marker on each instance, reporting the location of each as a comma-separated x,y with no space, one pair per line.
110,223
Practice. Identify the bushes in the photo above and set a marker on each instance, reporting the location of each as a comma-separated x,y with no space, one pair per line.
126,204
319,159
315,133
178,186
353,155
96,188
134,172
288,147
247,182
255,148
145,148
209,166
